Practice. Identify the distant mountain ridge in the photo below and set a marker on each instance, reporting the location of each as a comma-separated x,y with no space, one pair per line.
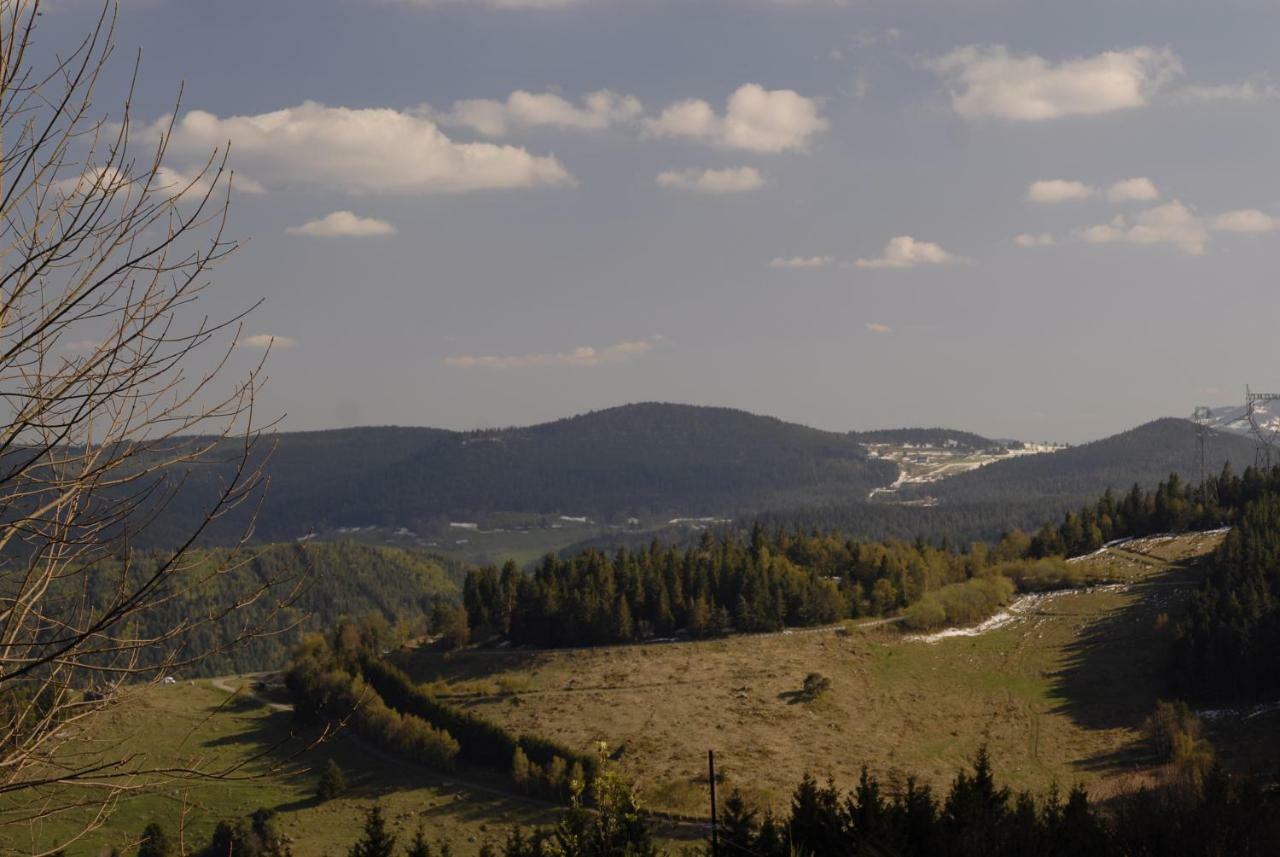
644,458
657,461
1144,455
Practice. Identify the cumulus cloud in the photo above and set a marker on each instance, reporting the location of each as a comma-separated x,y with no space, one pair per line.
266,340
1245,220
343,223
364,150
1172,223
1058,190
755,119
990,81
1044,239
729,180
906,252
583,356
801,262
596,112
877,327
1139,189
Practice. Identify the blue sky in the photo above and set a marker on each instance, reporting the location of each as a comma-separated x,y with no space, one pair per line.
1043,220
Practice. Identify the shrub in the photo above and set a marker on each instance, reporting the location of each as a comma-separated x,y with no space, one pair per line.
333,782
815,685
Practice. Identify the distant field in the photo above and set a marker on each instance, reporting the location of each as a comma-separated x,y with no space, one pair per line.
1057,696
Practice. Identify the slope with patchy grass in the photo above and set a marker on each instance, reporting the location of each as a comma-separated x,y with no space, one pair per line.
1058,695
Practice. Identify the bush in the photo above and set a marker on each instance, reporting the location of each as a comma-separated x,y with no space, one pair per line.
959,603
1043,575
815,685
332,782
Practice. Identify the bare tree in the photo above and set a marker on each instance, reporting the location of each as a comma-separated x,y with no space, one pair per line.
112,394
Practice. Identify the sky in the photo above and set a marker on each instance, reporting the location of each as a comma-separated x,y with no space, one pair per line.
1051,221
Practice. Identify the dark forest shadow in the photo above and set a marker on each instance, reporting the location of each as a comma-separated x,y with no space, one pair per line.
1118,667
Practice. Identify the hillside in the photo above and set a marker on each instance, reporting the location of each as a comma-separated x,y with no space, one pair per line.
1056,687
653,460
305,587
1144,455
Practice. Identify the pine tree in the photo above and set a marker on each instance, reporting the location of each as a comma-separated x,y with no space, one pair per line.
376,841
154,842
418,847
738,824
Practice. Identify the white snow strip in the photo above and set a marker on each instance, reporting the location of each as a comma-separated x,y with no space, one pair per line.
1242,713
1018,609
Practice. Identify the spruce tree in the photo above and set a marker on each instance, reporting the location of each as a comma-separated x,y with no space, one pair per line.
418,847
376,841
154,842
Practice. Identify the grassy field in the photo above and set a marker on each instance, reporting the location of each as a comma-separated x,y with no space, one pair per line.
1057,695
193,724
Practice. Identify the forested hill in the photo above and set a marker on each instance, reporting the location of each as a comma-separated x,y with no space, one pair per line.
929,436
630,460
1144,455
300,588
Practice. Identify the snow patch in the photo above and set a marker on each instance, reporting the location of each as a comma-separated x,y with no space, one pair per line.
1017,609
1247,712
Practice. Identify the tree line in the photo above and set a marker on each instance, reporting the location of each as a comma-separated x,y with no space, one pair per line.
1228,644
975,817
343,679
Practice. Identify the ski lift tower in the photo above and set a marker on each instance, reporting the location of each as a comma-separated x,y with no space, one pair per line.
1203,418
1265,433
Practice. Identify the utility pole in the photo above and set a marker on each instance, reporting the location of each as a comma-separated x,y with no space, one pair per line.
711,777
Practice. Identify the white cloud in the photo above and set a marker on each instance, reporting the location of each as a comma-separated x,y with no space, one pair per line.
1171,223
583,356
1245,220
801,262
343,223
755,119
989,81
364,150
266,340
877,327
1244,91
195,184
730,180
906,252
1044,239
1058,190
1138,189
1133,190
598,111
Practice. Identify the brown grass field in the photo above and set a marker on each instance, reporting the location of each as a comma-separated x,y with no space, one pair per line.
1057,696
